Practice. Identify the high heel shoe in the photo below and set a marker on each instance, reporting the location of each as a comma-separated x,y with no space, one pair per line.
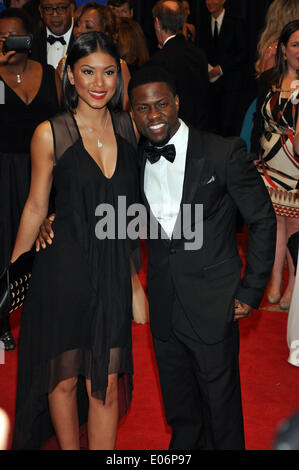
284,304
273,298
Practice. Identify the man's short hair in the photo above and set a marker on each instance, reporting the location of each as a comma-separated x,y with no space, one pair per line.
151,74
119,3
170,19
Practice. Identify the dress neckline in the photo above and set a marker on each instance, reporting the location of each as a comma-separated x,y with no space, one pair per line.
18,96
91,157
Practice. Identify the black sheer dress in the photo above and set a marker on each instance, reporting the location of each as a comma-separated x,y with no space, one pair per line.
77,317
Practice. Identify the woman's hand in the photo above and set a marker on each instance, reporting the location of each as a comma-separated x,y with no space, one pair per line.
4,56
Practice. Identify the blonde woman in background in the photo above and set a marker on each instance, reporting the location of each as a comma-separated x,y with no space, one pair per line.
273,139
279,13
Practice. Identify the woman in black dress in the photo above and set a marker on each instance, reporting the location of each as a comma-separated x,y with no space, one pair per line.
76,321
30,93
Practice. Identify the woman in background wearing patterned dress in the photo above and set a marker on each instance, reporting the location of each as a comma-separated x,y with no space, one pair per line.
273,141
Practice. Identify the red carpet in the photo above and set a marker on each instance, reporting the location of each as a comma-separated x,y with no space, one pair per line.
269,385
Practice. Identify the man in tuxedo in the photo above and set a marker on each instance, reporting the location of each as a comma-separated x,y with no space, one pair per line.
196,293
224,40
52,42
185,61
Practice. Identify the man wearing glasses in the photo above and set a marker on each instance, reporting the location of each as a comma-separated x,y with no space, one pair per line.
52,42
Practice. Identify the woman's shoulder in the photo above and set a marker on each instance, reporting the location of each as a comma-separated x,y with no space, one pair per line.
43,131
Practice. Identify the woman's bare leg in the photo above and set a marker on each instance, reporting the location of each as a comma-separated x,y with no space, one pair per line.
64,413
103,418
292,226
274,286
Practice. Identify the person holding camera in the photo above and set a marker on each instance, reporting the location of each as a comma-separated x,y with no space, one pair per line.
29,94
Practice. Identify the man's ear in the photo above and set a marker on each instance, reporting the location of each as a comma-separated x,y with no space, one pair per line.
177,102
157,24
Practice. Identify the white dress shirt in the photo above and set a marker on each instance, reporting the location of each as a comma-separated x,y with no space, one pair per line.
56,51
219,20
163,182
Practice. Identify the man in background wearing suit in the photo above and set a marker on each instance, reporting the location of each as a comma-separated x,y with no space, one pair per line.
52,42
122,8
224,41
196,293
185,61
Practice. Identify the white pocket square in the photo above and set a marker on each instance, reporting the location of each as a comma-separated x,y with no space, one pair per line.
211,180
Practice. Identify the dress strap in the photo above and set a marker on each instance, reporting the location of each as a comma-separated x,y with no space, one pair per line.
124,127
65,133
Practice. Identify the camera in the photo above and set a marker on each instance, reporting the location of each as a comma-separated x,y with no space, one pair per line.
17,43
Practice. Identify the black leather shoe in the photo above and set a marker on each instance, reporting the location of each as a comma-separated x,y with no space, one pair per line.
8,340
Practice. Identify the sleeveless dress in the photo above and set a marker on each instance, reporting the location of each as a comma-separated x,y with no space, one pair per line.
17,123
278,165
76,320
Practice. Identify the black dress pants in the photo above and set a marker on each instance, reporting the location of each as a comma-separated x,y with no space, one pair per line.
200,386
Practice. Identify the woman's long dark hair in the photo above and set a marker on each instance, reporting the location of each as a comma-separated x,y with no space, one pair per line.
85,45
281,66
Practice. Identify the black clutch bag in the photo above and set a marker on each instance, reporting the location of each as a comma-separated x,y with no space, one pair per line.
14,283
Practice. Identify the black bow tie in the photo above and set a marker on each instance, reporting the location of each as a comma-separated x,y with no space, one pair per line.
52,39
153,154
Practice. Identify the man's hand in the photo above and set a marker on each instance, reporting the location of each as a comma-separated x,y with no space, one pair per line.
242,310
214,72
46,233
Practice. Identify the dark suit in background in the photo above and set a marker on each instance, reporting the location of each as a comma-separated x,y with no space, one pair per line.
228,95
188,65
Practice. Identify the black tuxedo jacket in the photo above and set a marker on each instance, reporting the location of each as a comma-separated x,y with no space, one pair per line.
39,46
232,51
220,175
188,65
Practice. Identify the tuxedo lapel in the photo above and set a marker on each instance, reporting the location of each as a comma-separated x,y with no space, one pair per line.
193,172
193,169
142,169
224,27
